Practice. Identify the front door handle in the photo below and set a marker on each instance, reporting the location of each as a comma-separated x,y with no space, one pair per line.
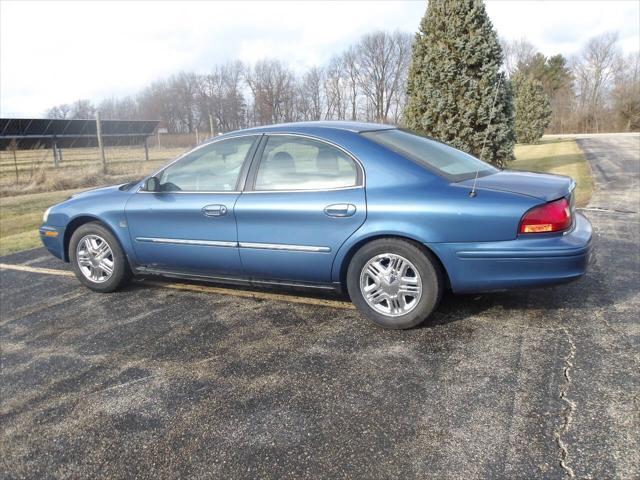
214,210
340,210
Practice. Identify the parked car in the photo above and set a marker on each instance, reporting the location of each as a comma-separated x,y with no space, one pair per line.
388,216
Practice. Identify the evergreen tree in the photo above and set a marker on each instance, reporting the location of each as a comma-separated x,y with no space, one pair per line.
455,77
556,79
533,110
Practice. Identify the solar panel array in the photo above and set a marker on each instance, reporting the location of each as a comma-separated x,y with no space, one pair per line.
33,133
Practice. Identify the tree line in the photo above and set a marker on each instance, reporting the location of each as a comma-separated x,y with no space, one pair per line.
595,90
365,82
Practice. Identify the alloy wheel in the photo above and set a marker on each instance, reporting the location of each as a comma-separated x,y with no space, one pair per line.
390,284
95,258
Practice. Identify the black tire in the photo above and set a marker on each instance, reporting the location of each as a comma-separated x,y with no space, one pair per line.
427,267
121,271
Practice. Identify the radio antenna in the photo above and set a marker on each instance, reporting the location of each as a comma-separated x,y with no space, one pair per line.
472,193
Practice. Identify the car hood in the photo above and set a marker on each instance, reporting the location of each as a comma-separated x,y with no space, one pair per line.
539,185
95,191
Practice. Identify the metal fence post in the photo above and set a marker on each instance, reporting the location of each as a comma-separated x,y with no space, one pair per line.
14,147
146,150
100,144
54,147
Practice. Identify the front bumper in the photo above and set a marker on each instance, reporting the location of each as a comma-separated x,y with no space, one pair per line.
524,262
53,240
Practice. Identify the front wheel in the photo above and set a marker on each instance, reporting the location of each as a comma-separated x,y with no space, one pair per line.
394,283
97,258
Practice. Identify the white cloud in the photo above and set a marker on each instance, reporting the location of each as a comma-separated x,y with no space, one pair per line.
55,52
565,26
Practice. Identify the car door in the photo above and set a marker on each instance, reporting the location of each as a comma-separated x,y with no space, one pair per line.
188,224
304,198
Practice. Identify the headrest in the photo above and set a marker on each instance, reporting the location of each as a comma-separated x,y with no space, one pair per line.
282,161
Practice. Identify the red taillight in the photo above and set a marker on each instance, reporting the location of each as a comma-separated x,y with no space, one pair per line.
550,217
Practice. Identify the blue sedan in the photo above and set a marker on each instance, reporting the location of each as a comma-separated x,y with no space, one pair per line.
389,217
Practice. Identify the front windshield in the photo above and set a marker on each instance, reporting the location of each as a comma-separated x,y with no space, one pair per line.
447,161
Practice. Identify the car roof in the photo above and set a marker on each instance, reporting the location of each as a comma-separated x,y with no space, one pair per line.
307,127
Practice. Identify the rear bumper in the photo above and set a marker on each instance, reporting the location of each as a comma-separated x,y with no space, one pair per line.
524,262
53,240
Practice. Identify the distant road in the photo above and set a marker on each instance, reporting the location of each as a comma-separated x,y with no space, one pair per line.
593,135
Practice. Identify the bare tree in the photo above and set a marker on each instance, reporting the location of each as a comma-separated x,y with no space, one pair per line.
516,53
594,70
273,88
334,87
82,109
626,93
383,61
235,105
61,111
184,87
157,102
211,90
119,109
220,95
350,62
311,98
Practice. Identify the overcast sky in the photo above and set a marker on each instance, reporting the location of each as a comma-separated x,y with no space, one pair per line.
56,52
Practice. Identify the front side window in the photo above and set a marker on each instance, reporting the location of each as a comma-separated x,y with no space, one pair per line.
210,168
449,162
297,163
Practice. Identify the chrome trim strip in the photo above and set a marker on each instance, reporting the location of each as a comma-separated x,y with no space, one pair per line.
280,246
221,243
353,187
209,192
180,241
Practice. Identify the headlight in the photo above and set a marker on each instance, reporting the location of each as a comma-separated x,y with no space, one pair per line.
46,215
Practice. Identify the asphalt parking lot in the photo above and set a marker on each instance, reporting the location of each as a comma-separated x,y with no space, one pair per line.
161,381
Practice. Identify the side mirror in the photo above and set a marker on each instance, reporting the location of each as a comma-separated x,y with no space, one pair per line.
152,184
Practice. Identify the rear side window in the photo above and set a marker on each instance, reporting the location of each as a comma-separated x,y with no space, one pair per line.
453,164
210,168
298,163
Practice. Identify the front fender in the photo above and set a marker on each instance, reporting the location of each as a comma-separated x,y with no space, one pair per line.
106,206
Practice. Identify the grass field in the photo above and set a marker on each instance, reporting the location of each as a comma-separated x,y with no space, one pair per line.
21,215
560,156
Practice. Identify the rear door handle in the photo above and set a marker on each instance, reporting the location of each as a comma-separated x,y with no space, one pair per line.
214,210
340,210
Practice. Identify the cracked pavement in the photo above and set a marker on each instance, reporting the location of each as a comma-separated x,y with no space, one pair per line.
158,383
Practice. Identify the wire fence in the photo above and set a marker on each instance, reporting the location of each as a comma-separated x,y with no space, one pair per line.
42,169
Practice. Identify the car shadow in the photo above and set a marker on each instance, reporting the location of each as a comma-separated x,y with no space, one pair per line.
583,294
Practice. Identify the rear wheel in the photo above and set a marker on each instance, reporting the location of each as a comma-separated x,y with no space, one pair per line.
97,258
394,283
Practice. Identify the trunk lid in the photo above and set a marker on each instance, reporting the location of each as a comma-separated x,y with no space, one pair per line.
538,185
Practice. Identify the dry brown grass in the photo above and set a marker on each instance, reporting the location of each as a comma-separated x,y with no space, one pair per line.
561,156
79,168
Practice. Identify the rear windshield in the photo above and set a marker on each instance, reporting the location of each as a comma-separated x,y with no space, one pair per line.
449,162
